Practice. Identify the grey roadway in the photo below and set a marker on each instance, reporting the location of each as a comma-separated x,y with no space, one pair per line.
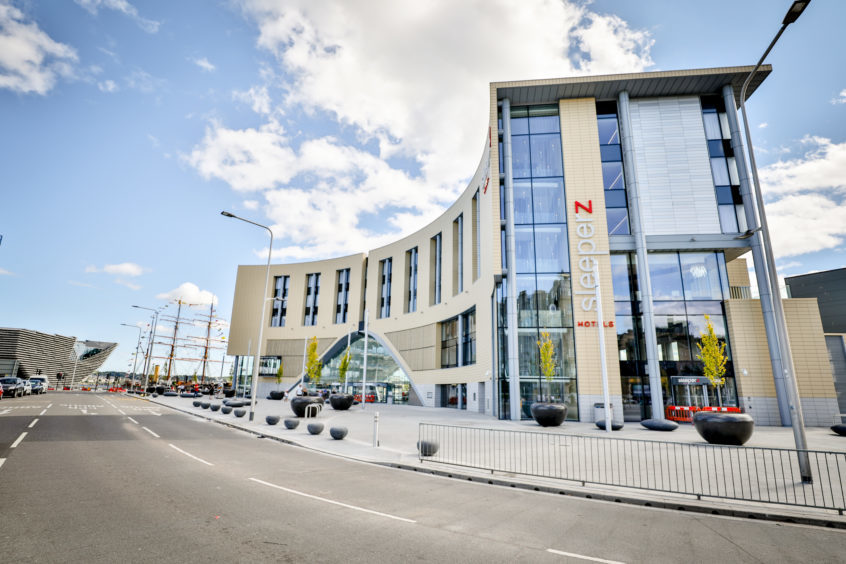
111,478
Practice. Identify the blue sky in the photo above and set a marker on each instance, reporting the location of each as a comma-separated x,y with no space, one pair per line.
126,127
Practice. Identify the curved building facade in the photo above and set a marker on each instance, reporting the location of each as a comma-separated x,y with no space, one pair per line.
607,208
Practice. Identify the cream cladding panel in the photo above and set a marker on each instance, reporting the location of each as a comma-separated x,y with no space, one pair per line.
588,234
674,172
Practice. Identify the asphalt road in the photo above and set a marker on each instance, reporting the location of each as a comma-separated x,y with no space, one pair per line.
107,478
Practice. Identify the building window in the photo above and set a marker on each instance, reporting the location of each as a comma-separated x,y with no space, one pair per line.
458,255
616,204
342,302
468,338
385,288
280,305
457,351
449,343
411,297
312,295
477,256
435,270
723,165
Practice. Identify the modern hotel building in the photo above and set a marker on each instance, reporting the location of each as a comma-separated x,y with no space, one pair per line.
609,208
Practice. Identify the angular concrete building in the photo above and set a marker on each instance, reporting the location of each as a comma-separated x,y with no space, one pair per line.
612,207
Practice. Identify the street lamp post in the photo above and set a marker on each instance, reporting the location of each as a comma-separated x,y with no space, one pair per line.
149,358
137,346
795,405
254,384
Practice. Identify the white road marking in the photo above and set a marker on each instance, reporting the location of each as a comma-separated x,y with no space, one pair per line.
121,412
43,411
133,420
49,406
18,440
2,460
189,455
31,425
5,411
583,557
152,433
295,492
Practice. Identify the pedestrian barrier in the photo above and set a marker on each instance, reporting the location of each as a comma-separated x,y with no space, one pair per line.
767,475
684,413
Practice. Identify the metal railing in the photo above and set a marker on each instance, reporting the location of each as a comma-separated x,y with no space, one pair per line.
768,475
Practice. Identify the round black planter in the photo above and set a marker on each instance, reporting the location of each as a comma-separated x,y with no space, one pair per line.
338,433
839,429
226,409
205,405
292,423
235,403
230,393
160,390
615,426
341,402
240,412
659,424
170,394
427,448
549,414
196,403
723,428
315,428
214,407
151,389
186,395
155,395
299,403
272,419
276,395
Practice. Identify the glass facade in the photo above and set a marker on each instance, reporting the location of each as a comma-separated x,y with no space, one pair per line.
458,255
723,165
458,340
411,298
435,270
616,203
280,305
541,273
343,298
312,295
385,267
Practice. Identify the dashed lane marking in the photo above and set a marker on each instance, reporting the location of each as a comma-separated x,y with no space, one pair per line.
43,411
133,420
31,425
333,502
2,460
151,432
189,455
18,440
582,556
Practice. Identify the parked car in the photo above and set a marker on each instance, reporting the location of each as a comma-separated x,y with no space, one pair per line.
12,386
27,388
39,384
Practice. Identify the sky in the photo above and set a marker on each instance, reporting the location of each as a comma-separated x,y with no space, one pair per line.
127,126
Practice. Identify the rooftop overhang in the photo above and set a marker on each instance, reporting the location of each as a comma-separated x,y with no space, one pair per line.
638,85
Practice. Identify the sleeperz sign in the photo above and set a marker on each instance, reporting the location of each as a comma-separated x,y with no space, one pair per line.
586,252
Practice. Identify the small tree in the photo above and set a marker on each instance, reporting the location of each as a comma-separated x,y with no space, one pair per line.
313,364
343,367
547,359
712,353
279,373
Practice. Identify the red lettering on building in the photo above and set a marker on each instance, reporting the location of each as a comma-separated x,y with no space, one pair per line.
588,208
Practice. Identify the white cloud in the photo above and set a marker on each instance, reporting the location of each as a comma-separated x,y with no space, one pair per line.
4,272
204,64
143,81
127,283
93,6
154,140
805,223
823,166
257,97
250,204
30,61
410,80
763,125
107,86
841,98
125,269
189,293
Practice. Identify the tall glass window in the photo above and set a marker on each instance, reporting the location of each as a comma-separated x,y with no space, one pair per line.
458,254
723,165
435,270
342,301
411,298
616,204
542,269
477,252
312,295
468,338
280,305
449,343
385,288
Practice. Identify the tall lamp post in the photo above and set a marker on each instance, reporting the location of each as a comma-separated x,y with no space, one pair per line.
762,230
149,358
254,383
137,346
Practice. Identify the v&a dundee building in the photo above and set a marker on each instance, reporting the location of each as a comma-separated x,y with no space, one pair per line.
635,185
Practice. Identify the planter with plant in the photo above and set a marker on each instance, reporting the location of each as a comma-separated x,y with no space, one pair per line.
719,428
342,401
278,394
313,368
547,413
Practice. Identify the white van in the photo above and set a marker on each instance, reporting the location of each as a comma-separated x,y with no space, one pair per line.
44,383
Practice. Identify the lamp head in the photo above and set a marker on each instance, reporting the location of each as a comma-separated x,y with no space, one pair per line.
795,11
227,214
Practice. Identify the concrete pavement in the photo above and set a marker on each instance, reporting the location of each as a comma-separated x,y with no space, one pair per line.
397,435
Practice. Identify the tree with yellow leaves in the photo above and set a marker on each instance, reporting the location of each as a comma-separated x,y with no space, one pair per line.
712,353
547,358
313,364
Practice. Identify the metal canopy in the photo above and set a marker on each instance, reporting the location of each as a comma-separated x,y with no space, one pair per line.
638,85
